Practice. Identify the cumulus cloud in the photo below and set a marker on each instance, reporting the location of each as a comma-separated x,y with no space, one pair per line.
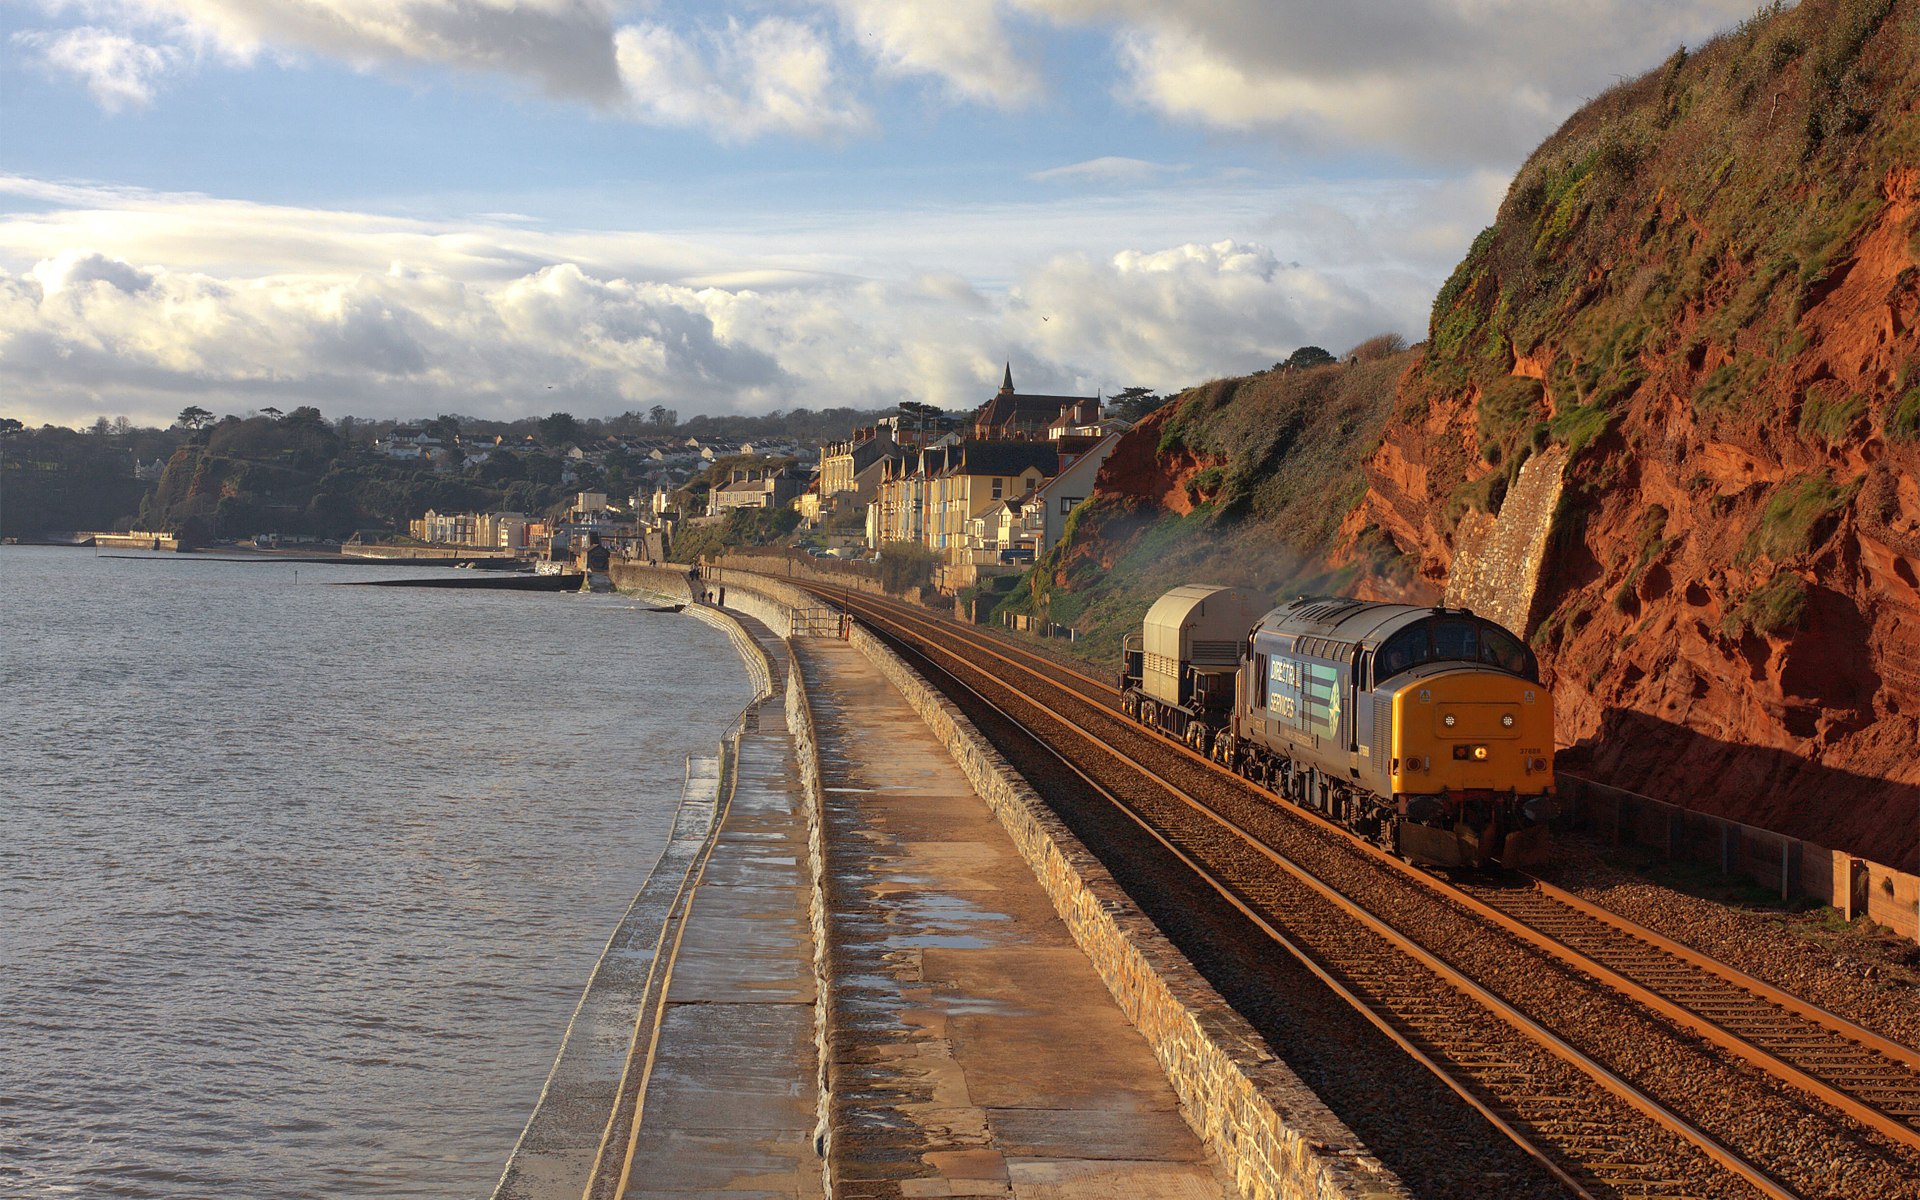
118,71
80,267
1436,79
84,331
737,81
564,47
1188,313
121,301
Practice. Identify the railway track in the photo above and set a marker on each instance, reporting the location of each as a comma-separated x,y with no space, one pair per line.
1843,1103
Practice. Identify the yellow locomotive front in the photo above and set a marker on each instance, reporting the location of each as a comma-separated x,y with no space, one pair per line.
1471,765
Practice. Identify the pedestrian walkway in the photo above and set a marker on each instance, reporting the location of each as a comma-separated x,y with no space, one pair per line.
975,1050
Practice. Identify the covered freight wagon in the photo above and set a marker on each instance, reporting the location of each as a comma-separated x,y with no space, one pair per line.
1182,663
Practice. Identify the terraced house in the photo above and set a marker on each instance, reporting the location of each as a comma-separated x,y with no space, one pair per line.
973,498
977,476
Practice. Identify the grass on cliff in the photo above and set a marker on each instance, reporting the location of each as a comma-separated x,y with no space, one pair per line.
1798,516
1284,451
1903,421
1721,189
1774,610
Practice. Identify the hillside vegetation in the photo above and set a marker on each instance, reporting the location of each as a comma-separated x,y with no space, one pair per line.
1240,481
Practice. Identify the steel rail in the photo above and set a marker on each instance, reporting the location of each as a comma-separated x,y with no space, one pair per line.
1646,1105
1872,1115
980,637
1879,1044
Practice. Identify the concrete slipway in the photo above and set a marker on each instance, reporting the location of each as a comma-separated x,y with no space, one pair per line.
871,964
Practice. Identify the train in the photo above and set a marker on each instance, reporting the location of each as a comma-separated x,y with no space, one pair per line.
1425,730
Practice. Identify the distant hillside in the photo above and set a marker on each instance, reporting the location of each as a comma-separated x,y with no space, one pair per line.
1703,289
55,480
1241,481
298,475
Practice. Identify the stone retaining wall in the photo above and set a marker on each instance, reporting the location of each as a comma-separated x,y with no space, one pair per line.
1273,1134
629,576
806,751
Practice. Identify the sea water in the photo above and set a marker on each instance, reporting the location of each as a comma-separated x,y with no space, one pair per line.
299,883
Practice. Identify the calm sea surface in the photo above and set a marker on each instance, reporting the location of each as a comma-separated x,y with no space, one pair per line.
299,883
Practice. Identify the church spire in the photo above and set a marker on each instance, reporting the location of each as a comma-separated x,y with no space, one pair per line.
1006,385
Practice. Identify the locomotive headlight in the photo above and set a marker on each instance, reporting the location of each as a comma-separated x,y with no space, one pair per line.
1507,720
1448,720
1479,753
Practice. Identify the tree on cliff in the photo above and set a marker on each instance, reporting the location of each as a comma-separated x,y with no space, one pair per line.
1132,403
194,417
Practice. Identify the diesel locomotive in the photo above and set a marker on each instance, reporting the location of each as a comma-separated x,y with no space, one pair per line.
1425,730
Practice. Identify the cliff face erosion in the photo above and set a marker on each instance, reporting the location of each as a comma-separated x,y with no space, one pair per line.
1695,319
1666,423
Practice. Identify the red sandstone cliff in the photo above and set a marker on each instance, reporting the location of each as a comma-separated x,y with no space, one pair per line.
1705,287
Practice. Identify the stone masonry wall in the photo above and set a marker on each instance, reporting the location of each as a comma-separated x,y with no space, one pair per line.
806,750
1497,560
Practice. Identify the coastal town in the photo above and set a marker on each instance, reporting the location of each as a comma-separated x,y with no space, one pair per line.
1035,601
983,494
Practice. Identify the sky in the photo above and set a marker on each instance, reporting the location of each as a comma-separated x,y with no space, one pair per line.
505,208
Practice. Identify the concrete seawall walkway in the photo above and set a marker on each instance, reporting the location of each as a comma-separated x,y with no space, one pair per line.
974,1051
729,1099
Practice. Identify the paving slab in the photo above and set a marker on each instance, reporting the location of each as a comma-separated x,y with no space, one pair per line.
975,1050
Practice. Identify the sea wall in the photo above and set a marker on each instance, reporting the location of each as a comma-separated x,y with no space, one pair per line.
1274,1136
130,541
806,751
671,582
572,1142
410,553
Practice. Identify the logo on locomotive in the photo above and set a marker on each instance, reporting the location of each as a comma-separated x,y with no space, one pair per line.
1304,695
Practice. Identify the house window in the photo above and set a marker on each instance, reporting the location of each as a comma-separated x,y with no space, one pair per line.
999,488
1032,483
1067,503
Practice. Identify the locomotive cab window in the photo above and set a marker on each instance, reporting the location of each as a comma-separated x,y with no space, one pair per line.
1456,640
1403,651
1501,649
